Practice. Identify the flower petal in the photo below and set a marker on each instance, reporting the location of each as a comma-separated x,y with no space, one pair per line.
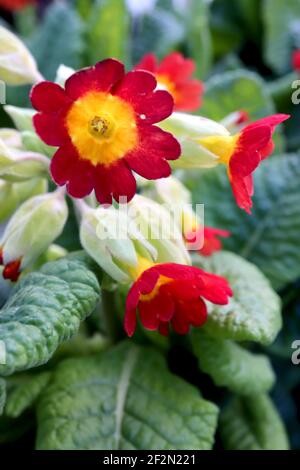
114,180
148,62
62,163
48,97
176,67
135,85
101,77
50,129
188,95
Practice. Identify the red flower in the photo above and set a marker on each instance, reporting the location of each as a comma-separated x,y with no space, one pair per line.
173,293
174,74
211,242
296,60
243,152
103,125
13,5
12,269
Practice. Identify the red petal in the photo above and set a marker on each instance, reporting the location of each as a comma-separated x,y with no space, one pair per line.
48,97
102,77
216,289
62,162
130,321
155,107
11,270
148,62
148,315
241,191
189,95
296,60
50,129
114,180
194,311
271,121
147,165
176,67
254,137
81,180
135,85
159,143
243,162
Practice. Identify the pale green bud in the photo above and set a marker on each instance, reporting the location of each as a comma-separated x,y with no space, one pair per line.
17,66
62,74
112,240
189,129
20,165
33,227
159,226
21,117
171,191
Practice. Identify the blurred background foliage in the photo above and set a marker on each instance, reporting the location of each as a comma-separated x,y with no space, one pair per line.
243,50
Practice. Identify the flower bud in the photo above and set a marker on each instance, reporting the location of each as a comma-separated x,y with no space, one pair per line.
62,74
159,225
21,117
17,66
30,231
20,165
188,129
112,240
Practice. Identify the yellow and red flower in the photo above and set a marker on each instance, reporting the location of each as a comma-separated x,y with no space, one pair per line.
14,5
173,294
243,152
174,74
296,60
102,123
211,241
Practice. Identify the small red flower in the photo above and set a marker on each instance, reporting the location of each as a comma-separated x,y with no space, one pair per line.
211,242
12,270
243,152
14,5
296,60
102,123
173,293
174,74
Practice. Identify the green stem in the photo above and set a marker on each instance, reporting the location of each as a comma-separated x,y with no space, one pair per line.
110,315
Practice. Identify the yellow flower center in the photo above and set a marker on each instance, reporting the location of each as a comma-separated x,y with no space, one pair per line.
164,83
102,127
221,145
143,265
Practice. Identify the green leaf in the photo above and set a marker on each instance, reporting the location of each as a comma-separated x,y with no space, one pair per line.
232,366
45,309
253,313
108,31
198,36
58,40
159,31
123,399
280,22
2,395
25,394
253,423
270,236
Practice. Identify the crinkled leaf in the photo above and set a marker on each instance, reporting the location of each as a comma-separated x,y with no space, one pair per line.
253,313
58,39
45,309
25,394
2,395
270,236
253,423
123,399
281,22
231,365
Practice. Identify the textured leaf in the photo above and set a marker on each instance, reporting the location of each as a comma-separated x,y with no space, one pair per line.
270,236
124,399
159,32
281,21
45,309
232,366
58,40
24,395
253,423
253,313
2,395
108,30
